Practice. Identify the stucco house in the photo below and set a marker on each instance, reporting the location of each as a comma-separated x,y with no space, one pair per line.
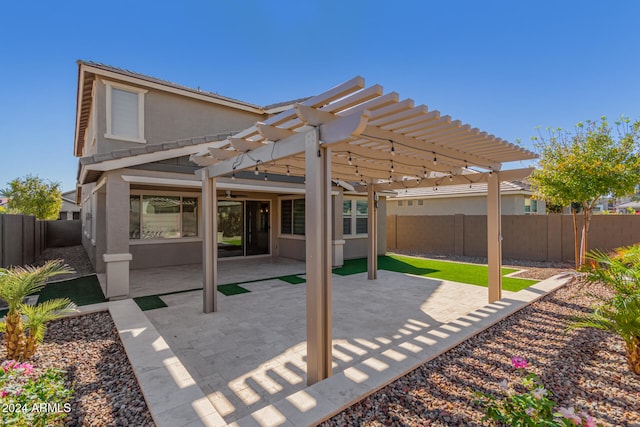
468,199
141,201
69,209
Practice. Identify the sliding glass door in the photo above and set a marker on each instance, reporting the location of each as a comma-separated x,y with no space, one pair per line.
243,228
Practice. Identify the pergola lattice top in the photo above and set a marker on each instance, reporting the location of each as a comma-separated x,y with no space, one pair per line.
375,137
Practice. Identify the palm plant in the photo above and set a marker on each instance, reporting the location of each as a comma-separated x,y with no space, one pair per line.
619,313
37,317
16,284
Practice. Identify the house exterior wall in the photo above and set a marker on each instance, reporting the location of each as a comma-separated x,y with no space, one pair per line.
512,204
168,117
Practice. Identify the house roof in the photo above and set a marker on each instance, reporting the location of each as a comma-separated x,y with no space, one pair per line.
463,190
87,71
91,167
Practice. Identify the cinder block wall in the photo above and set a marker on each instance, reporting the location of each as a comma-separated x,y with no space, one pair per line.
525,237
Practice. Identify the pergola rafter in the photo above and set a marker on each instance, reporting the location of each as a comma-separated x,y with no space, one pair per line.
373,142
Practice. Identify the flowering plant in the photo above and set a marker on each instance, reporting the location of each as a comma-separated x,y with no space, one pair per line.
535,407
27,400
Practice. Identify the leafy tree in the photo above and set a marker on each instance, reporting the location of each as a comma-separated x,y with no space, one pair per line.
581,167
34,196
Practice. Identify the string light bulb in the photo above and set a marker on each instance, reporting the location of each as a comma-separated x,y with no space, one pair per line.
425,174
256,171
451,177
393,148
266,176
350,159
288,171
435,159
392,168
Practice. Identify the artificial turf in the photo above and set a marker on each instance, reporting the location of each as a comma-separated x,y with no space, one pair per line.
232,289
456,272
293,279
150,302
81,290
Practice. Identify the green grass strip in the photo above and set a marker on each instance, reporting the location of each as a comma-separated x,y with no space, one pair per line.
293,279
150,302
232,289
81,290
456,272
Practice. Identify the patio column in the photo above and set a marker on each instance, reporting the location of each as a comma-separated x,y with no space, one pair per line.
318,251
209,243
372,233
494,237
117,256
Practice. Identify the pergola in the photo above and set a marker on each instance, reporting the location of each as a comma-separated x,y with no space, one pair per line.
360,135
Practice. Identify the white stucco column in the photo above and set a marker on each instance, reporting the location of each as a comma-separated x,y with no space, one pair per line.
209,244
494,237
372,234
318,264
116,256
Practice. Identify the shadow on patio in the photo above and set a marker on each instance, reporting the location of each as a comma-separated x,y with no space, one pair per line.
252,353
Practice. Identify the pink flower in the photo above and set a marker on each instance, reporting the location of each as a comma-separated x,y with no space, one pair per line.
26,366
539,393
518,362
3,393
570,414
588,420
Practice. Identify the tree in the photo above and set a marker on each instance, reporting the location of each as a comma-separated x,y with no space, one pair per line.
587,165
34,196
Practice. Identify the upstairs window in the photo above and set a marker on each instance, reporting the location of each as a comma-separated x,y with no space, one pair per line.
125,113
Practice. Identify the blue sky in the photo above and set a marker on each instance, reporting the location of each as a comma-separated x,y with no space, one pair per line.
505,67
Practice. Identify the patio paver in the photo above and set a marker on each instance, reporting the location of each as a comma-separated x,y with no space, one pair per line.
249,359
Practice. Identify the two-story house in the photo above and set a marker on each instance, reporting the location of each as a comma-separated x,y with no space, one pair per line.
141,202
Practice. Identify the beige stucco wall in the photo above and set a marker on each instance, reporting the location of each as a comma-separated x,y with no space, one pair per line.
170,117
512,204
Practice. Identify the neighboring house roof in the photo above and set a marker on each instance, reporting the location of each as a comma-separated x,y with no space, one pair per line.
87,70
633,205
478,189
69,196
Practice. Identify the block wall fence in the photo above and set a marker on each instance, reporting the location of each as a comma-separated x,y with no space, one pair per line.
524,237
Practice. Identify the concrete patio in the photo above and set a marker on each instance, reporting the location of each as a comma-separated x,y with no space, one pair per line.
246,364
160,280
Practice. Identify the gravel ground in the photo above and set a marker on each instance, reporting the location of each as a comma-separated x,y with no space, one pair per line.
106,390
74,256
584,368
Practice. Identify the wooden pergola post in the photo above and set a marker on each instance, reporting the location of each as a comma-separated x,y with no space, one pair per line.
209,243
318,253
372,233
494,237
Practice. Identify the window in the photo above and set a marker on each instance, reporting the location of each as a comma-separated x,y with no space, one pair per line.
125,113
292,216
420,202
409,202
162,217
530,206
399,202
354,217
